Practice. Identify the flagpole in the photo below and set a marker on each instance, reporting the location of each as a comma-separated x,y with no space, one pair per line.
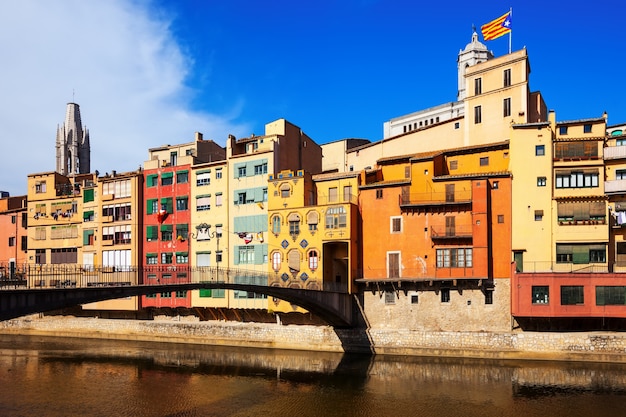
510,31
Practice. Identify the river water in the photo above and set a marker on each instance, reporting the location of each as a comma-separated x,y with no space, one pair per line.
44,376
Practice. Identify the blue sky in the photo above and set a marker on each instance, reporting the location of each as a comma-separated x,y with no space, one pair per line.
152,72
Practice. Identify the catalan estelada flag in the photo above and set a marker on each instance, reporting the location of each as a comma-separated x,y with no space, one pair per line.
498,27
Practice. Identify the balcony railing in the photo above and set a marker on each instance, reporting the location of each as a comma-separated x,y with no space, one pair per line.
446,232
565,267
615,186
436,198
614,152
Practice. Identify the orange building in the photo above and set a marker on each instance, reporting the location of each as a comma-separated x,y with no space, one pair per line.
437,238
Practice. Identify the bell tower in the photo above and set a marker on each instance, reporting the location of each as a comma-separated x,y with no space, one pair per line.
475,52
73,153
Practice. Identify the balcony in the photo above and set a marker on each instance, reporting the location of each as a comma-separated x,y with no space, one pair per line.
454,232
436,199
614,152
615,186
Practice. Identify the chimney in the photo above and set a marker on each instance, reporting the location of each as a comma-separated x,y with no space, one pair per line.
198,136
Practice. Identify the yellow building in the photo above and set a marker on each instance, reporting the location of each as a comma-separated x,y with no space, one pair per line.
313,229
55,207
112,234
209,242
615,190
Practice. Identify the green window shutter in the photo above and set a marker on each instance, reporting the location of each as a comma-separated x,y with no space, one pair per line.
88,195
203,171
166,228
86,234
167,202
205,292
87,214
150,205
152,232
581,254
153,180
258,254
167,175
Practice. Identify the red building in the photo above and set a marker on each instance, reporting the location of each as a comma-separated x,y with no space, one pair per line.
167,217
13,233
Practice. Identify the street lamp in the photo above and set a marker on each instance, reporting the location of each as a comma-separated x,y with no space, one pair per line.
203,232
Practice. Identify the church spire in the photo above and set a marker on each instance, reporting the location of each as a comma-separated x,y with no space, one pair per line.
73,151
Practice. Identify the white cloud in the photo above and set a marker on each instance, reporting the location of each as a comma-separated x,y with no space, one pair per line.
118,60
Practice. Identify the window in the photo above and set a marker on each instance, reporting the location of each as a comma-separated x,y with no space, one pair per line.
507,77
313,260
540,294
218,199
312,219
390,297
40,187
167,205
182,231
414,299
218,173
173,158
620,174
396,224
457,125
12,241
336,217
454,258
152,259
500,218
477,115
484,161
541,181
260,169
167,257
445,295
152,233
454,165
203,178
63,256
506,107
285,191
182,257
587,128
152,180
182,203
572,295
332,195
241,198
562,130
88,195
166,232
181,294
478,86
167,178
577,149
182,177
245,254
276,260
379,194
203,202
294,224
577,179
241,171
610,295
540,150
347,193
580,253
538,215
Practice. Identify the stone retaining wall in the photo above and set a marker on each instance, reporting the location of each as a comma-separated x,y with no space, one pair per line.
583,346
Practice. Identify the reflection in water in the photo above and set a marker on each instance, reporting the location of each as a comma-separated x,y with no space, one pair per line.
59,377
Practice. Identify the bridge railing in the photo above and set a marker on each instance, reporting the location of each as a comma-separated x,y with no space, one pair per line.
39,276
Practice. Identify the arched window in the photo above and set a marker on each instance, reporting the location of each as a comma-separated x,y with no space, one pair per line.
276,260
276,224
313,260
294,224
293,258
312,219
285,190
